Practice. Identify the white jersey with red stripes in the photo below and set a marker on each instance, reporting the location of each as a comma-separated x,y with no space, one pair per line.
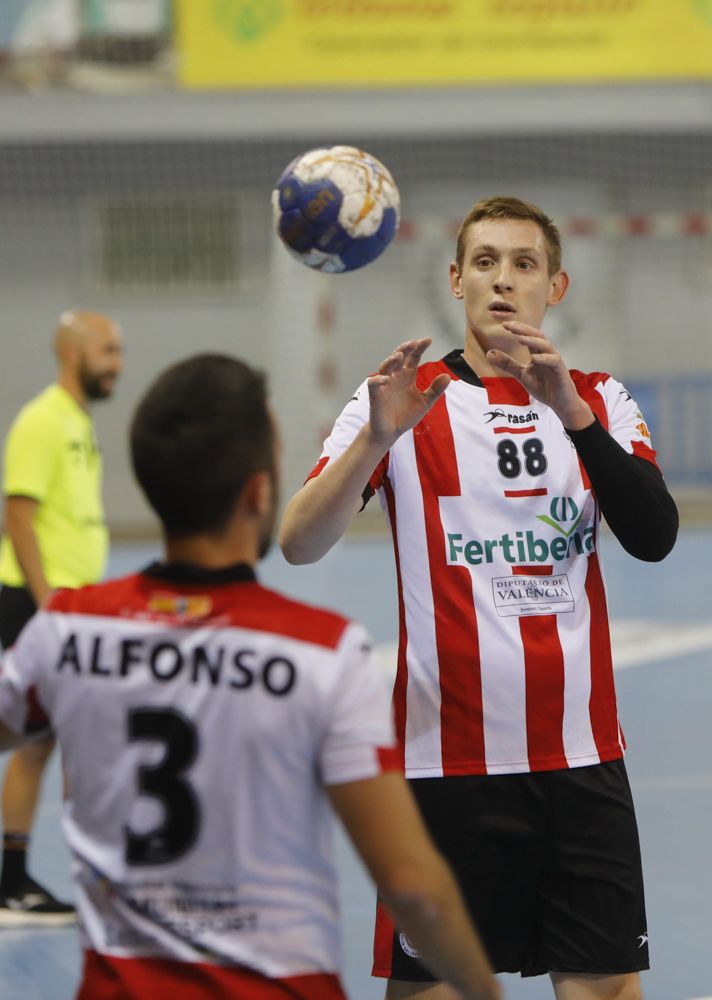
199,723
504,660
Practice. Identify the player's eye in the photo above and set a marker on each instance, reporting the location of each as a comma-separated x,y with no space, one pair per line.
525,265
484,262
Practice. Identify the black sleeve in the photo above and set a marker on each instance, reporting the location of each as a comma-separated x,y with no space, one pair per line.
631,493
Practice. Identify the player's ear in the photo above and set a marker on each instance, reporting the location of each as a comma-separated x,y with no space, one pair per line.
69,352
258,493
455,280
557,288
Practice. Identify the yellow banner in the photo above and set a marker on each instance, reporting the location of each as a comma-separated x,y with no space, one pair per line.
364,43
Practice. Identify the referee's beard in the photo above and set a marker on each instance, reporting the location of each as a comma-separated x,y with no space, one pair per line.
95,385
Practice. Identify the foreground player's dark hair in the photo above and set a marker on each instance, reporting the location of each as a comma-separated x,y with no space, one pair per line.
199,432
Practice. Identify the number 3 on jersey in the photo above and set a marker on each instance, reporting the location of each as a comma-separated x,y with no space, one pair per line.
165,781
510,464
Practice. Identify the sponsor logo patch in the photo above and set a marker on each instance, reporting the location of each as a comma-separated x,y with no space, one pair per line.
565,516
511,418
532,595
522,547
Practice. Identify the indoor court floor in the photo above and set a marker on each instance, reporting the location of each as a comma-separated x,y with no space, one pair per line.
663,649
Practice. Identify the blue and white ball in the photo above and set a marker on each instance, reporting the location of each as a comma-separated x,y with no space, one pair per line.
336,209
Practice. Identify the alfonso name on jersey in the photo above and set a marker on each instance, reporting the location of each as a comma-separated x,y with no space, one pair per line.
219,665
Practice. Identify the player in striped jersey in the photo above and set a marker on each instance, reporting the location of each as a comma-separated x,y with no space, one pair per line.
205,722
493,466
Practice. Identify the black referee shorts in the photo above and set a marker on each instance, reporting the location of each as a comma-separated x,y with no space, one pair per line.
549,864
17,606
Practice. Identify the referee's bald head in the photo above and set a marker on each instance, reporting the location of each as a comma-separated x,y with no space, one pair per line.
89,348
76,326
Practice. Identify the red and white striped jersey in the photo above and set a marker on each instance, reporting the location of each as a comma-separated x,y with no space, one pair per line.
199,723
504,660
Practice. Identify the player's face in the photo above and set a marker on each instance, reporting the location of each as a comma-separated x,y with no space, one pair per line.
101,362
505,276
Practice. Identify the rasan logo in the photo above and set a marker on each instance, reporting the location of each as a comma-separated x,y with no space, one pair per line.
511,418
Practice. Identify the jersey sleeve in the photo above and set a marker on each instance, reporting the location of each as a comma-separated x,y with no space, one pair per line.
21,667
626,423
349,422
359,740
32,449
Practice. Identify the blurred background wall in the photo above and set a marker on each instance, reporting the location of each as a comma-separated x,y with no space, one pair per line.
140,141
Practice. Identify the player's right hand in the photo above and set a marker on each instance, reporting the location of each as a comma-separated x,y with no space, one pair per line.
397,404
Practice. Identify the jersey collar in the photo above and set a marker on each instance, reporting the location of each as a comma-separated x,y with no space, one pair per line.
458,366
177,572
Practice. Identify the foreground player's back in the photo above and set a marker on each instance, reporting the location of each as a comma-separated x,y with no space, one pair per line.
203,718
199,716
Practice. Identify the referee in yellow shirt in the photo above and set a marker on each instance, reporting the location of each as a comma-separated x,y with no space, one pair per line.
54,536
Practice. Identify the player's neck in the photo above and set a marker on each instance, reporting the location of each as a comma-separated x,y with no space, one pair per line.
475,354
213,551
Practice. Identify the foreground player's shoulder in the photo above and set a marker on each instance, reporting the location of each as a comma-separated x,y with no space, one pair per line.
270,611
111,598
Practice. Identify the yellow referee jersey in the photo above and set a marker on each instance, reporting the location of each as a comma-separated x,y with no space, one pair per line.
51,455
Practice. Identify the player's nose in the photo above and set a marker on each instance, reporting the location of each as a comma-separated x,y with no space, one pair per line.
503,282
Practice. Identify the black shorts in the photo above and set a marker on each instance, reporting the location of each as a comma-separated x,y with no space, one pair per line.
17,606
549,864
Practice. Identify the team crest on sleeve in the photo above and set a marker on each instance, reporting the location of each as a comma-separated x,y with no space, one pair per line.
190,607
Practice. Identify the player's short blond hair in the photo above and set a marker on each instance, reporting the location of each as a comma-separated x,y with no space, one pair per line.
503,207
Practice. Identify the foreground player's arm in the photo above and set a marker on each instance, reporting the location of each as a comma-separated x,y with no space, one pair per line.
23,717
20,513
414,881
318,515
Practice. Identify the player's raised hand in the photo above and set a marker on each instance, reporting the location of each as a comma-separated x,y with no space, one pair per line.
545,376
397,404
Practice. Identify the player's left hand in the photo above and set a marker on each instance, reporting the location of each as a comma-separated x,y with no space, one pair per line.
544,376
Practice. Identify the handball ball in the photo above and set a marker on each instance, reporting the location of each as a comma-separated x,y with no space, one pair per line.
336,209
